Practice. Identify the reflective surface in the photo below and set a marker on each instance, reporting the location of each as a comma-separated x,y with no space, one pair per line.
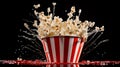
8,65
38,63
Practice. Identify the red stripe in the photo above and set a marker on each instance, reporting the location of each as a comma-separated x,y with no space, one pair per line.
73,49
65,65
77,65
72,65
50,49
66,44
57,48
58,65
79,50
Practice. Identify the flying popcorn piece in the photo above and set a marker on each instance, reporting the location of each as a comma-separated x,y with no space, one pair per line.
35,24
91,24
26,25
53,9
48,10
36,6
69,15
72,9
80,12
97,29
53,3
102,28
35,12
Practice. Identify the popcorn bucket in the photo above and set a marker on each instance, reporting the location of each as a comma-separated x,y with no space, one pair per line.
63,49
63,65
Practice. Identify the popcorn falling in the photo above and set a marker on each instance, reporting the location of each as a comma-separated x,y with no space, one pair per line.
36,6
51,25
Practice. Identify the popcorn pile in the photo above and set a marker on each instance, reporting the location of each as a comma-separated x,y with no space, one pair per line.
51,25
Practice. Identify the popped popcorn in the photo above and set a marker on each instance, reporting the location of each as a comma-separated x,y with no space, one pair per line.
48,10
36,6
53,3
51,25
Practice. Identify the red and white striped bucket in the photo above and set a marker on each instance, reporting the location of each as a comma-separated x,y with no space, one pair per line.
63,49
63,65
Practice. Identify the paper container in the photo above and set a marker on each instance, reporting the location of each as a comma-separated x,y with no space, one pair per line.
63,65
63,49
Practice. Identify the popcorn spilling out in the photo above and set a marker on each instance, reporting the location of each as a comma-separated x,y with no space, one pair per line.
51,25
36,6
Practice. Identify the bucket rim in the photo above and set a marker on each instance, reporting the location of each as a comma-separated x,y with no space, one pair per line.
62,37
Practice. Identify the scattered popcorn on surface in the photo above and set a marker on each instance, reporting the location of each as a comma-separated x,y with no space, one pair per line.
19,59
55,26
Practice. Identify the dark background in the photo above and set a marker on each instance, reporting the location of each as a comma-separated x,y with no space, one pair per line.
103,13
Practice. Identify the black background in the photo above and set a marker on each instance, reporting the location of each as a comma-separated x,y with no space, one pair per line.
103,13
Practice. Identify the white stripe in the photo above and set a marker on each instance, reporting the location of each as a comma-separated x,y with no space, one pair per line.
47,51
69,65
53,48
77,65
76,51
71,40
80,51
74,65
61,41
54,65
61,65
48,65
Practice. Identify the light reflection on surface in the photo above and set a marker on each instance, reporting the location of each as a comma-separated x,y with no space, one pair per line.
38,63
